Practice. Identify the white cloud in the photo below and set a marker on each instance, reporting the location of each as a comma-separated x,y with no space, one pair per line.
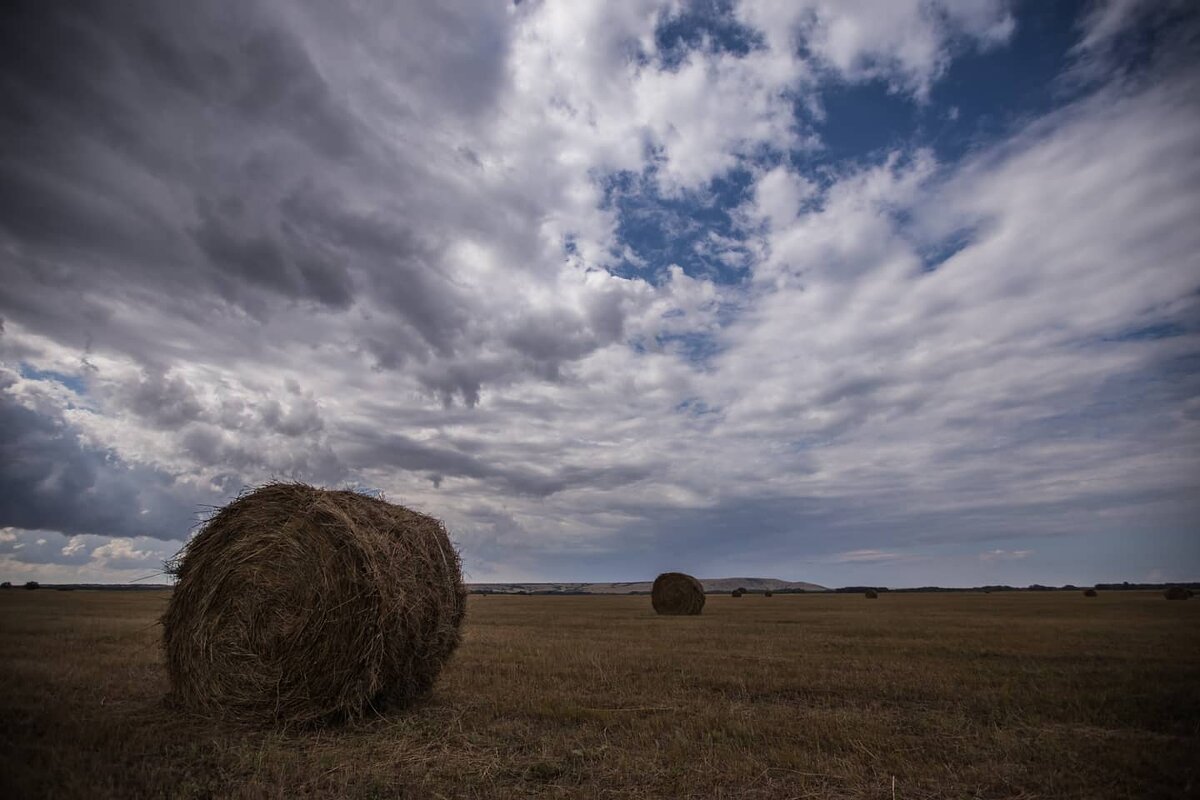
947,388
74,545
867,556
908,43
1106,20
55,558
1005,555
121,553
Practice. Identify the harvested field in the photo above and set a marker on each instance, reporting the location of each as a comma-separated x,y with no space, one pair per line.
1015,695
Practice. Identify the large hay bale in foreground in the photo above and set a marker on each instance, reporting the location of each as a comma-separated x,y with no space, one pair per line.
303,605
677,593
1089,592
1177,593
871,594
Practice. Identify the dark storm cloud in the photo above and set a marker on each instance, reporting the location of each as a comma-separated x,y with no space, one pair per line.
215,163
301,458
50,479
553,336
198,158
303,418
405,278
452,51
166,401
129,134
278,263
280,85
437,463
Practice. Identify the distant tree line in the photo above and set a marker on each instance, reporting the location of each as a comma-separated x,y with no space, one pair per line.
108,587
1116,587
1035,587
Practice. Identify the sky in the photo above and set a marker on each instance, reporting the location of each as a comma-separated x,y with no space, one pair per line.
884,292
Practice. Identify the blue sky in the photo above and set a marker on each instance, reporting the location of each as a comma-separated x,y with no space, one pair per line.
897,293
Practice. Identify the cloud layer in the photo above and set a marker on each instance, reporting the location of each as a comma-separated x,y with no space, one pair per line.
579,280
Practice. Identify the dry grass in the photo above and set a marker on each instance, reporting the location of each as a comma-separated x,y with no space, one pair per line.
815,696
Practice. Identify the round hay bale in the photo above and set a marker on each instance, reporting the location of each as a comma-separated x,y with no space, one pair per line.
871,594
1089,592
677,593
736,593
768,593
1176,593
303,605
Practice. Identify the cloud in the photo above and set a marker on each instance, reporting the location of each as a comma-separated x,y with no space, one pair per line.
869,556
401,249
49,478
907,43
1106,20
1005,555
51,556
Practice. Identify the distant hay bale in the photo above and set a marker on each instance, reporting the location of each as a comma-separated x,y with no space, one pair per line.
303,605
871,594
737,593
1177,593
1089,592
767,593
676,593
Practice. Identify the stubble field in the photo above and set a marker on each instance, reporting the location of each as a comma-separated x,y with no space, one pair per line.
1048,695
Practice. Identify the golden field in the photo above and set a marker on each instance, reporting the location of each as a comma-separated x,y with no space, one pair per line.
1007,695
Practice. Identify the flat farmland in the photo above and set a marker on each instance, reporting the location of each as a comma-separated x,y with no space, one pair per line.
1007,695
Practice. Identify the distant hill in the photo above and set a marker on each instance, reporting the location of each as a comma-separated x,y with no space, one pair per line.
711,585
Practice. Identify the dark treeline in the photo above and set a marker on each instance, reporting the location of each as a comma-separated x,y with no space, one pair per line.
1036,587
1116,587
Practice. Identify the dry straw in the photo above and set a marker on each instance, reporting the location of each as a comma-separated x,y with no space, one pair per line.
303,605
677,593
